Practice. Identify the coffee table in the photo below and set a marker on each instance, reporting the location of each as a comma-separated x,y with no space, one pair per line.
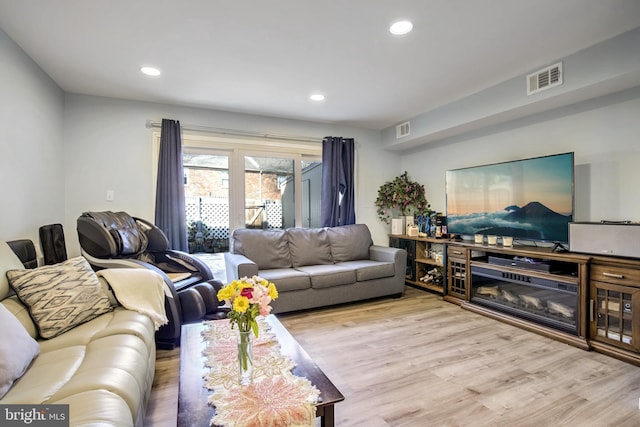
193,407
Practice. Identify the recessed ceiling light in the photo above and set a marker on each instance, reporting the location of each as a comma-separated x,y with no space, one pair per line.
150,71
317,97
400,28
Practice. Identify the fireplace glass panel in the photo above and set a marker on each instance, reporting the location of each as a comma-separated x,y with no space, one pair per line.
546,302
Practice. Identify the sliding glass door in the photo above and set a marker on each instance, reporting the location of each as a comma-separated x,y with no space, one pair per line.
234,184
269,192
279,190
206,186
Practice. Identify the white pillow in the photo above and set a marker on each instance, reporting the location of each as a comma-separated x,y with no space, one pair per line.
17,350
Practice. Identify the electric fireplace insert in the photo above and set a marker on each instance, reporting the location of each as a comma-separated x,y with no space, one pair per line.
549,302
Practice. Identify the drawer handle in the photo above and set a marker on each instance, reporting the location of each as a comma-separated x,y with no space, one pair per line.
613,276
457,252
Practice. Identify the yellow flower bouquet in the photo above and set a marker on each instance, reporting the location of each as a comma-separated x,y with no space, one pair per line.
248,298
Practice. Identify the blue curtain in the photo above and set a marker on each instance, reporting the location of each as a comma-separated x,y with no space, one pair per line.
337,197
170,207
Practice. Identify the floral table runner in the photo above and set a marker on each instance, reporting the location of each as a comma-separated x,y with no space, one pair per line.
275,398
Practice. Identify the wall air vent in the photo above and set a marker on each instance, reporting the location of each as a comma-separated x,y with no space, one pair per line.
402,130
544,79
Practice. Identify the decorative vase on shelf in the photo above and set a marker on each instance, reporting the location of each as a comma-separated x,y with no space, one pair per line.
245,357
397,226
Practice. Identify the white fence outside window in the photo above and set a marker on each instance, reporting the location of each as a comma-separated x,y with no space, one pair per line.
208,222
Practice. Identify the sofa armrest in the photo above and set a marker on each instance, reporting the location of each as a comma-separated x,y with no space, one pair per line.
388,254
238,266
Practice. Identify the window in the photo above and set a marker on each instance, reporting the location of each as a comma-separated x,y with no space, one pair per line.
263,184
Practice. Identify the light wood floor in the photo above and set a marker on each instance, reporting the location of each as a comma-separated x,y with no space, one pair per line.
420,361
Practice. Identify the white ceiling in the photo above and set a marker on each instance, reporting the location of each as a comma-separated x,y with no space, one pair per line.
267,57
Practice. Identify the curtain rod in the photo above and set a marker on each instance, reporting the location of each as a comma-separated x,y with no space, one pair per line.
240,133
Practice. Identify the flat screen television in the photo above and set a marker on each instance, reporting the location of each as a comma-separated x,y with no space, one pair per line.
529,199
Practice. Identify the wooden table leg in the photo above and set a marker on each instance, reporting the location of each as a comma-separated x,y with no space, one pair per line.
327,417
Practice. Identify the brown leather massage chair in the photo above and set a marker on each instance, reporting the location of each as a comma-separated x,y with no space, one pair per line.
118,240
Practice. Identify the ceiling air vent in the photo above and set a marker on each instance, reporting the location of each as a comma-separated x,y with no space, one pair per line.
544,79
402,130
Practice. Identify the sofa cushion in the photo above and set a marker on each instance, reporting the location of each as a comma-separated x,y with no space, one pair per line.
123,372
118,322
60,296
349,242
267,248
121,364
48,373
368,269
97,408
309,246
17,350
327,276
287,279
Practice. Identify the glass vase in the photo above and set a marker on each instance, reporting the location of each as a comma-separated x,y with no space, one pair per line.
245,357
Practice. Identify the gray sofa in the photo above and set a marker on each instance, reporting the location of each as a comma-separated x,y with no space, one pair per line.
315,267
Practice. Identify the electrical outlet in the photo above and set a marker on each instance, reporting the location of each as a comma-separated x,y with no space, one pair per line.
110,195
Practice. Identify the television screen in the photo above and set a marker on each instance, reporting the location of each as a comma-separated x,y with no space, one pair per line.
529,199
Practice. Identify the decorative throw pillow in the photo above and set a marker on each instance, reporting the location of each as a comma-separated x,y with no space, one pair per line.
60,296
17,349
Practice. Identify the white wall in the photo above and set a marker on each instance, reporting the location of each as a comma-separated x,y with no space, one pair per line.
107,146
605,68
604,133
31,161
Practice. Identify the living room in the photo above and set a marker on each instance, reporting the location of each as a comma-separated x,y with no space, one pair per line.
61,150
69,143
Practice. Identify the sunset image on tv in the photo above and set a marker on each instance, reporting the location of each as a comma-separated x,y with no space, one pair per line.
529,199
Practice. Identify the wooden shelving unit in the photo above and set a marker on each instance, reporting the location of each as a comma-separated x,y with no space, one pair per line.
425,261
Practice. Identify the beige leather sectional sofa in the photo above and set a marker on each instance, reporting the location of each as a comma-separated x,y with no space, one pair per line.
102,368
315,267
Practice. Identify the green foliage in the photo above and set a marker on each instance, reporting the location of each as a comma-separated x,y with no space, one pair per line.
206,242
401,197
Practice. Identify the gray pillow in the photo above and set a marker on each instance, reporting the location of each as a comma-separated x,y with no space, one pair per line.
349,242
309,246
267,248
60,296
17,350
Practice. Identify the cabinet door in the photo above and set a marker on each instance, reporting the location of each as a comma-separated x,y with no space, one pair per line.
457,273
615,315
